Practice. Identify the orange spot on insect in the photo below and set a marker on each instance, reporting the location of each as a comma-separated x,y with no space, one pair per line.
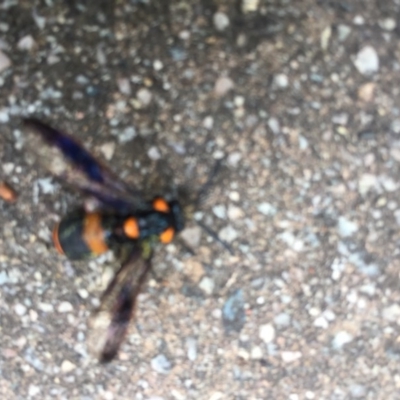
131,228
56,240
160,205
93,233
167,235
7,193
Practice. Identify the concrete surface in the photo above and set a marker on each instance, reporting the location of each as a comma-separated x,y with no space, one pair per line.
302,100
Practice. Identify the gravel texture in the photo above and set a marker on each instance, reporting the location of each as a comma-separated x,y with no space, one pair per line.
301,100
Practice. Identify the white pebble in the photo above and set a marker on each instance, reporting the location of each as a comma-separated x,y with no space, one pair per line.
256,353
207,285
191,345
26,43
154,153
158,65
219,211
108,150
290,356
367,61
391,313
346,228
274,125
144,96
208,122
388,24
221,21
266,209
127,135
281,81
160,364
67,366
266,333
20,309
33,390
46,307
64,307
340,339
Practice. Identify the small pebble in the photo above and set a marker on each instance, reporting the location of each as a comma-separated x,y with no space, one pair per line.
144,97
358,20
367,61
235,213
358,391
207,285
108,150
388,24
274,125
346,228
208,122
126,135
161,364
340,339
249,6
67,366
366,92
124,86
26,43
281,81
64,307
325,37
158,65
391,313
223,85
194,270
5,62
221,21
33,390
46,307
192,236
234,158
266,333
219,211
20,309
154,153
282,320
228,234
233,312
343,32
191,345
290,356
256,353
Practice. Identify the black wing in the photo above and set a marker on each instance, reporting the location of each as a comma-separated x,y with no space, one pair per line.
68,160
110,322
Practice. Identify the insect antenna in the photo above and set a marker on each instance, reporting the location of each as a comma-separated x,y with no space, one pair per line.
202,196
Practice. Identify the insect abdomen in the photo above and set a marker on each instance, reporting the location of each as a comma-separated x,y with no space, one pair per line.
81,235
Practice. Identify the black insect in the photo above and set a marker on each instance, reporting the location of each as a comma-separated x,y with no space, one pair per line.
127,224
126,221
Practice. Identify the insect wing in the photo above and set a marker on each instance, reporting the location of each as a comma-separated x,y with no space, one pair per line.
110,322
68,160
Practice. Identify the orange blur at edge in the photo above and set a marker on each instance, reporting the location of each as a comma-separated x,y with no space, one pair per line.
160,205
56,240
7,193
131,228
93,234
167,235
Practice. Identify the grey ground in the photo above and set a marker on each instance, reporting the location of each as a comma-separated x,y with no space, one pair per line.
301,98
